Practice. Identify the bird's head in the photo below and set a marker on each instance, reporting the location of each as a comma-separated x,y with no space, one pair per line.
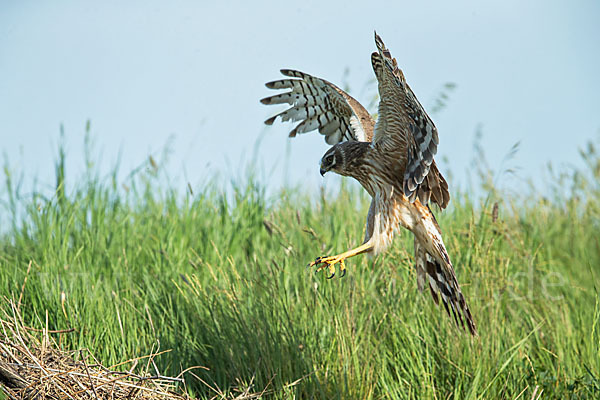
345,158
333,160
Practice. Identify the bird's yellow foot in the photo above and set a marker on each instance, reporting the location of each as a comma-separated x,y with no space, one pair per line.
329,262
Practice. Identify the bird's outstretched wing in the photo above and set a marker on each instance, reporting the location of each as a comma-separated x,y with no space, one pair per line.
321,105
403,127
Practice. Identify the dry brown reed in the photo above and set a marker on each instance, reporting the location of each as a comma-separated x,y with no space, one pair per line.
32,366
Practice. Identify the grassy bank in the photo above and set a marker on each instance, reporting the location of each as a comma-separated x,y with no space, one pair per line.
222,282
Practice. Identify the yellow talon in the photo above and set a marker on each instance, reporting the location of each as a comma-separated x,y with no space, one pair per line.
329,263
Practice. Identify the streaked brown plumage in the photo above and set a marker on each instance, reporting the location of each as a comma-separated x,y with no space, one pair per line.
392,159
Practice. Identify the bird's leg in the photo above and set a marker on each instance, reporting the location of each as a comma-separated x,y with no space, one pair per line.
329,262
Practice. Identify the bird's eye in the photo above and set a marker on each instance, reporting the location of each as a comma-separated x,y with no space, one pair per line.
329,160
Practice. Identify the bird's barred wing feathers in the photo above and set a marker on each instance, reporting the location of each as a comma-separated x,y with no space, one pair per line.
321,105
403,124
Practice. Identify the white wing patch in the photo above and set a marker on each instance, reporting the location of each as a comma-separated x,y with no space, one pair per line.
358,129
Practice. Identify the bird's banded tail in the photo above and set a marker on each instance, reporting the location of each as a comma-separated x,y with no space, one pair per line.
442,282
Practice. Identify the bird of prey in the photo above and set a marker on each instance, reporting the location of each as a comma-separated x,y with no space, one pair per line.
392,159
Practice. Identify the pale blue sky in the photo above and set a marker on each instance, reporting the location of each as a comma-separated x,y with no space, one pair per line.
143,71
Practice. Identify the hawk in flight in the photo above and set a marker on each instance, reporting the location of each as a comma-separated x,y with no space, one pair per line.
392,159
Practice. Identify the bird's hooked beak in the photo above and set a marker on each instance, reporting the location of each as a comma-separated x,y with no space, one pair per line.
322,169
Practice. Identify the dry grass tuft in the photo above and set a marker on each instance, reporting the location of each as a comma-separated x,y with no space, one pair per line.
32,366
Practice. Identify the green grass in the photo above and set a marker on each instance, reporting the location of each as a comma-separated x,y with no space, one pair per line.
221,280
